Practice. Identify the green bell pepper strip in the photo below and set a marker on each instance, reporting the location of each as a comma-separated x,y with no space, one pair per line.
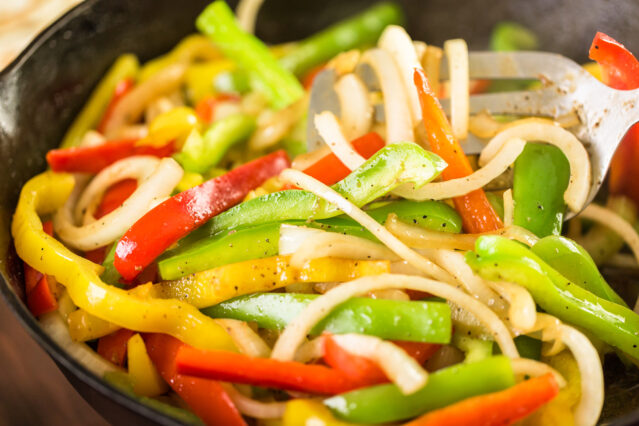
126,66
510,36
110,275
236,81
200,153
121,382
528,347
574,263
500,259
474,349
262,240
280,86
360,30
540,179
416,321
386,403
497,202
390,167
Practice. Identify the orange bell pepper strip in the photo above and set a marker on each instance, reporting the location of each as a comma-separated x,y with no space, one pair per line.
475,209
206,398
40,298
499,408
113,346
205,108
121,89
620,70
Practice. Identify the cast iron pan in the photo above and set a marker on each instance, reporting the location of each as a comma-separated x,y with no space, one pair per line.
46,86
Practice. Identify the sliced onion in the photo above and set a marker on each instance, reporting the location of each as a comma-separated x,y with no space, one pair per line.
457,54
246,340
399,125
246,12
305,244
254,408
53,324
484,125
509,207
497,165
110,227
420,50
614,221
296,331
382,234
591,376
536,129
130,108
357,111
273,126
432,61
330,130
524,367
311,350
523,311
396,41
398,366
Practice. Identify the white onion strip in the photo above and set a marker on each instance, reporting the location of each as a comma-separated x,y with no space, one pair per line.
246,12
457,54
532,368
612,220
522,312
396,41
357,111
131,107
398,366
509,207
246,340
535,129
592,385
497,165
110,227
311,350
382,234
253,408
330,130
296,331
399,125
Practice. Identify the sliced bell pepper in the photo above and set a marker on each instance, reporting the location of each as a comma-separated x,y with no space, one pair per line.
263,240
40,298
145,378
206,398
495,409
574,263
539,203
218,22
499,258
121,89
309,412
47,192
207,288
125,67
360,30
329,169
390,167
173,125
113,347
205,108
200,153
267,372
418,321
200,76
180,214
620,70
92,159
475,209
386,403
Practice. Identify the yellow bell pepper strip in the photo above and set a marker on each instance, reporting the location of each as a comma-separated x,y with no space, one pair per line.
144,376
173,125
268,76
126,66
199,78
208,288
307,412
193,47
47,192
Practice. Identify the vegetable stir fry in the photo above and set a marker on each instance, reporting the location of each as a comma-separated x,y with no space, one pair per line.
237,233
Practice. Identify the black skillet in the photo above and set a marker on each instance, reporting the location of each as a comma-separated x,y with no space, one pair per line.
46,86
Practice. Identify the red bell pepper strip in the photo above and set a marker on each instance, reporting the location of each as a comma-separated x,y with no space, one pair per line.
182,213
420,351
40,298
121,89
113,346
495,409
206,398
476,212
620,70
205,108
330,170
92,159
267,372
